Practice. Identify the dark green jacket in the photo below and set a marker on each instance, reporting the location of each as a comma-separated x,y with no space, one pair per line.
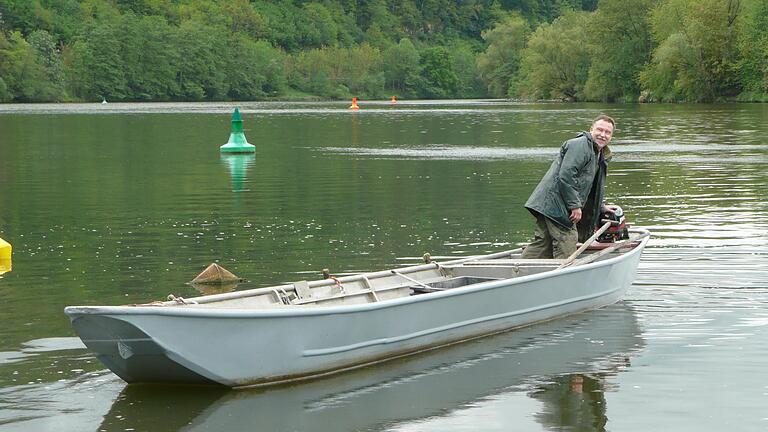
593,209
569,184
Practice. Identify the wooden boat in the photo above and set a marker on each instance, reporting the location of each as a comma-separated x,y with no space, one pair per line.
310,329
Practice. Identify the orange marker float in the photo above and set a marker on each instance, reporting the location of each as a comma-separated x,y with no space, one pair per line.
354,104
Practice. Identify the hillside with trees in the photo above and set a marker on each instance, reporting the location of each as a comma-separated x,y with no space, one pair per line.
203,50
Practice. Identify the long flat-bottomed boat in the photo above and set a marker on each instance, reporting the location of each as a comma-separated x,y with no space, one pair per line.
309,329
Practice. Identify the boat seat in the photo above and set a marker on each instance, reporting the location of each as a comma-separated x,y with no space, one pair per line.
421,290
454,282
302,290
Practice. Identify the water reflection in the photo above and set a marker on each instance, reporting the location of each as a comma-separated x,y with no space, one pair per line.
211,289
238,165
574,402
558,354
131,222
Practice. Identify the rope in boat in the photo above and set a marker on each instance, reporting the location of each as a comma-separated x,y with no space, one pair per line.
327,275
427,257
338,284
180,300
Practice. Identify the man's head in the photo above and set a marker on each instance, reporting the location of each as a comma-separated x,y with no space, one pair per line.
602,130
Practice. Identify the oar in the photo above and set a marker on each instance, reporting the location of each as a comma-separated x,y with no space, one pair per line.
586,244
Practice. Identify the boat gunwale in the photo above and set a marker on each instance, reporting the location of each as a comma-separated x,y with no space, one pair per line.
201,311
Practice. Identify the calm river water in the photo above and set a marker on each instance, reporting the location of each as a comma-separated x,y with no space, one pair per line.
125,203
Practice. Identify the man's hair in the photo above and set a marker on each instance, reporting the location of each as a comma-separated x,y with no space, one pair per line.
606,118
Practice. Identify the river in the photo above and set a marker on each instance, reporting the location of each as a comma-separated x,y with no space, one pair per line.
125,203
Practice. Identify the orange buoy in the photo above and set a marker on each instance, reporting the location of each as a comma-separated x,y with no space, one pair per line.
354,104
394,100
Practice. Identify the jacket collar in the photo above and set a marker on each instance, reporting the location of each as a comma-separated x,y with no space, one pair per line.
607,153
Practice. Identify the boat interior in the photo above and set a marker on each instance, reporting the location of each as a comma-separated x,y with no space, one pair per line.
420,279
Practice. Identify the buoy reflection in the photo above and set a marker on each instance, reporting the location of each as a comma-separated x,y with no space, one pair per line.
238,165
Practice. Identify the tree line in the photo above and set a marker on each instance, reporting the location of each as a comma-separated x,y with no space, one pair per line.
194,50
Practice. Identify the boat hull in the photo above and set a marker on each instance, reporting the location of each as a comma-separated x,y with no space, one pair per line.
240,347
420,387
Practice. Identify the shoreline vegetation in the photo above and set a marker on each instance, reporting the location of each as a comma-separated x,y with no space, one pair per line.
322,50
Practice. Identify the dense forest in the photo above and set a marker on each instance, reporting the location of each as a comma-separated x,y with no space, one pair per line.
193,50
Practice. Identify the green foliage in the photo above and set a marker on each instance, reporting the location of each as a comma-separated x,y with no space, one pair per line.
294,27
437,72
338,72
401,65
25,16
48,58
621,49
696,57
148,64
76,58
202,62
363,74
256,72
556,61
382,24
24,71
538,11
753,44
242,18
5,95
470,84
500,63
317,26
608,50
104,68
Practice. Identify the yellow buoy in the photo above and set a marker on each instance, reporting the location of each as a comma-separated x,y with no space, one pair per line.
5,256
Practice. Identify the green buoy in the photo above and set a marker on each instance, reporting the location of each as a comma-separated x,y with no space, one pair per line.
237,142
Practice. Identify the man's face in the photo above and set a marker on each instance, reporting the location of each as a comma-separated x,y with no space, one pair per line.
602,132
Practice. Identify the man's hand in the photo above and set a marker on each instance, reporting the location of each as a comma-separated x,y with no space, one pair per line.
575,216
611,208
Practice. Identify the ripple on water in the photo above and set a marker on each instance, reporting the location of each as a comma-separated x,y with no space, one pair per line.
439,152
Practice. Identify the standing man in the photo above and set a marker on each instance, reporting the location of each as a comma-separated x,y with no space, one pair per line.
568,201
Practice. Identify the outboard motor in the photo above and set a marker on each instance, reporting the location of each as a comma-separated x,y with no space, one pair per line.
618,230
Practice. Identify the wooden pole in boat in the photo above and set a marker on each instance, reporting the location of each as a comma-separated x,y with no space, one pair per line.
585,245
